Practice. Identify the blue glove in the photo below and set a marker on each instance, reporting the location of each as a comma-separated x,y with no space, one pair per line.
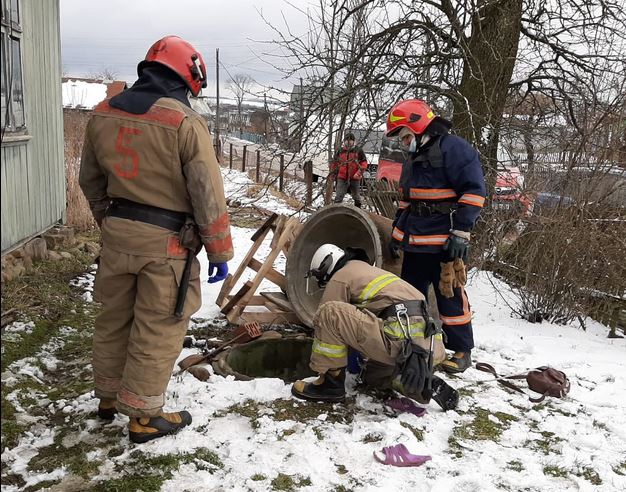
221,274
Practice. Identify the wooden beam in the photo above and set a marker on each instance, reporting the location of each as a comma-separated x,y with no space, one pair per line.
269,317
264,228
237,297
279,299
272,275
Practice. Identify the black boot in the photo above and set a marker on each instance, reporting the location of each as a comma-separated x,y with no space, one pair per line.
444,394
329,387
106,409
144,429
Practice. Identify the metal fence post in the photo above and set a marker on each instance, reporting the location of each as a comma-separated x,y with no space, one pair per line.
308,179
281,173
258,165
230,156
243,161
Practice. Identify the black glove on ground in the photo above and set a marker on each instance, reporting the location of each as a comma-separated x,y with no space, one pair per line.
415,370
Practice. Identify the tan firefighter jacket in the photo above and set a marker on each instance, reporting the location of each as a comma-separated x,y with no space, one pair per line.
163,158
374,289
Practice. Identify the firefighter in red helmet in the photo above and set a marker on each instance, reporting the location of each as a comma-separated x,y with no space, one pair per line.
153,183
442,190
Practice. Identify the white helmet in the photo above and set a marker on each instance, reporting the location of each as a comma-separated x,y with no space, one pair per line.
324,261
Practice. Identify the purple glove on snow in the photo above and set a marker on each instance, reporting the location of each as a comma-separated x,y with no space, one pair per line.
220,274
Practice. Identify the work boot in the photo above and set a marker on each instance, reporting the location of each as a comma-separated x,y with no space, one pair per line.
458,362
329,387
144,429
106,408
444,394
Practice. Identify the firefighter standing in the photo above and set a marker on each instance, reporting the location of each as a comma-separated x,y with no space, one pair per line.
149,172
442,191
348,165
372,311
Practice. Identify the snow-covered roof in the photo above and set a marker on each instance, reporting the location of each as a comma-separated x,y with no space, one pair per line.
82,94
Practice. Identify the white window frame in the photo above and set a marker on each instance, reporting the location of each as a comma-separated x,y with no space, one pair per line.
12,31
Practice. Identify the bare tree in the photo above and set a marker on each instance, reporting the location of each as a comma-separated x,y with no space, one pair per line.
240,86
466,58
104,73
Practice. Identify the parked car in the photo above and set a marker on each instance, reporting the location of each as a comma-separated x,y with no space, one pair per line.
508,194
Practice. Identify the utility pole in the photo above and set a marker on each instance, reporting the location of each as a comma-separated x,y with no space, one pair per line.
217,98
301,133
267,118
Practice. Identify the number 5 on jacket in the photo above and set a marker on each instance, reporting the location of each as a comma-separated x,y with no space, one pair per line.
124,169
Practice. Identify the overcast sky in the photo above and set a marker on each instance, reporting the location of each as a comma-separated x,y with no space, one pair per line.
116,34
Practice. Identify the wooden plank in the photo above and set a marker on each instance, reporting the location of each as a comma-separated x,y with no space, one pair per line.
264,228
282,236
268,317
278,298
272,275
227,286
245,289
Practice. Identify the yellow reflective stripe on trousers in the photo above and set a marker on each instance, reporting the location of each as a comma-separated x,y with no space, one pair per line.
375,286
416,330
329,350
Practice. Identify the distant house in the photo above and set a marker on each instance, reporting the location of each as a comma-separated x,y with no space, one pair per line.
33,177
84,93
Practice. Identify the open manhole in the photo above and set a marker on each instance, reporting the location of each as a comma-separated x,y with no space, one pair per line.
284,358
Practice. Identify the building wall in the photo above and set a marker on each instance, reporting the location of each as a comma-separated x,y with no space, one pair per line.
33,177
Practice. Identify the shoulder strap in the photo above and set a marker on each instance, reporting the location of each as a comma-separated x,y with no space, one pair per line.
434,153
483,366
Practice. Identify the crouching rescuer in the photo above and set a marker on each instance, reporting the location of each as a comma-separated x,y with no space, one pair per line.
381,316
152,180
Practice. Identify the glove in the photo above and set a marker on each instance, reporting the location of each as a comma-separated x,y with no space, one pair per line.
459,273
394,249
221,274
415,370
447,279
457,246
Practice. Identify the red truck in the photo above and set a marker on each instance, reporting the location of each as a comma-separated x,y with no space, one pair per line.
508,195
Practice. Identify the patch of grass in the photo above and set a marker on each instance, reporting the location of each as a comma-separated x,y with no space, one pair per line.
341,488
288,483
600,425
45,485
341,469
482,428
318,433
418,433
283,410
590,475
620,468
555,471
258,477
146,483
515,465
372,437
546,445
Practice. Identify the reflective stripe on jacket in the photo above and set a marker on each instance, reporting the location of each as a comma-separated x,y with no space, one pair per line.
456,176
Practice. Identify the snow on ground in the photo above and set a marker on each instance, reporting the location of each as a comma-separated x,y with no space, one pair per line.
496,440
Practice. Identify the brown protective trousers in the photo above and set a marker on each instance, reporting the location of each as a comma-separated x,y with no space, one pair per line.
137,339
339,325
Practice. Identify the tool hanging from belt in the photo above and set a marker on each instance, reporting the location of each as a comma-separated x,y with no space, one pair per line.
171,220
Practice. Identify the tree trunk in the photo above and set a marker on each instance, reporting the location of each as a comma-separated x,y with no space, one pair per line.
487,71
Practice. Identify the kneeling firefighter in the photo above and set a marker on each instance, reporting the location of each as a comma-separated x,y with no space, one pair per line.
152,180
383,317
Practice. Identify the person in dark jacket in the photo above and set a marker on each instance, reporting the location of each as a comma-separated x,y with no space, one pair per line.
442,190
348,165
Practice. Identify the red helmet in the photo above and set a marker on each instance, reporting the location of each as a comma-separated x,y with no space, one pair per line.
413,114
178,55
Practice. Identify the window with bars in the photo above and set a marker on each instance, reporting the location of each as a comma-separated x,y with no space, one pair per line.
13,114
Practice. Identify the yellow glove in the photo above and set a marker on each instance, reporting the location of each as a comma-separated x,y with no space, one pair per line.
447,279
460,276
